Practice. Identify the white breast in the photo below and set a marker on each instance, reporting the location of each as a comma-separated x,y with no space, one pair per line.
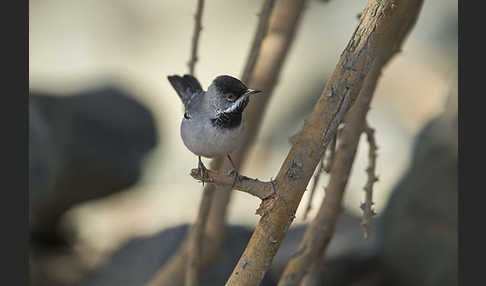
204,139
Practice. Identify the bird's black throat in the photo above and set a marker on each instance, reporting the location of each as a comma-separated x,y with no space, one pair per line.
227,120
231,117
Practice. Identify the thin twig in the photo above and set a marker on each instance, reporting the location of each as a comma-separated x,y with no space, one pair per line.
195,36
367,206
262,190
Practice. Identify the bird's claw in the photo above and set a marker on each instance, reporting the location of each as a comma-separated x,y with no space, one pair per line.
203,171
233,172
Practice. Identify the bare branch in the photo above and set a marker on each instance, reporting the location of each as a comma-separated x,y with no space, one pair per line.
197,230
196,239
258,39
195,36
262,190
173,272
367,206
382,28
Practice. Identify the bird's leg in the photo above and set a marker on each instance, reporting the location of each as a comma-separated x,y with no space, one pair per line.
202,170
233,171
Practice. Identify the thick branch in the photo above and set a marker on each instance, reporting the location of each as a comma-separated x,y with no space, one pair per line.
262,190
382,23
317,237
258,39
367,206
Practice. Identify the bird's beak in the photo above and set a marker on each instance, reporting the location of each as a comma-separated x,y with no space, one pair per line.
252,91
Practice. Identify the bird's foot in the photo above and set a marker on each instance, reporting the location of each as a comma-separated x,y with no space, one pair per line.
203,171
233,172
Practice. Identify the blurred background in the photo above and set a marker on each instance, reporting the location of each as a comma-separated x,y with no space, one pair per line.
99,68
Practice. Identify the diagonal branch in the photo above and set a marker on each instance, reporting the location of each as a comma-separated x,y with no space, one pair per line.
382,28
318,235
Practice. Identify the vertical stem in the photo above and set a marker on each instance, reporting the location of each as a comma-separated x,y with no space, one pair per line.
197,230
195,36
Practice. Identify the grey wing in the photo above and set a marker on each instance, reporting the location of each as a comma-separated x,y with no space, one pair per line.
186,86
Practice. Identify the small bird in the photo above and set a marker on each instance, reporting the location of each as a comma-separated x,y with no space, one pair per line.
213,122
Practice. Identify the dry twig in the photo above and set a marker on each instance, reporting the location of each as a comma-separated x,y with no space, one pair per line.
262,190
195,37
367,206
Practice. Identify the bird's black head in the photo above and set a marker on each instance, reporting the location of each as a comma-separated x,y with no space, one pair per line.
229,97
229,87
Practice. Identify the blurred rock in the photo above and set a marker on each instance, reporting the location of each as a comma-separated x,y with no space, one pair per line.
82,147
137,262
419,230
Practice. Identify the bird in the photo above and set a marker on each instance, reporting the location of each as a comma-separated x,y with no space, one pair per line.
213,123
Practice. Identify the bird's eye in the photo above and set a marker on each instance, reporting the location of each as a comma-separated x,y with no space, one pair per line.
186,116
231,97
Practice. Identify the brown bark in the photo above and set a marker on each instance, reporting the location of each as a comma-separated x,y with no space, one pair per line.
382,28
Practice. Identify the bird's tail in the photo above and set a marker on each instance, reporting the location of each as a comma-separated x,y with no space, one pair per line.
185,86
